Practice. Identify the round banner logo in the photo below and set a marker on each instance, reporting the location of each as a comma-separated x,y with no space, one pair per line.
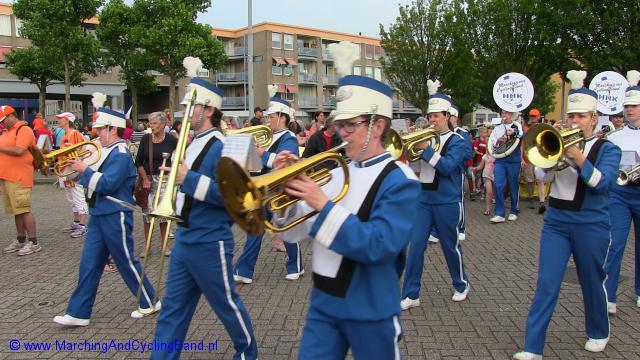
513,92
610,87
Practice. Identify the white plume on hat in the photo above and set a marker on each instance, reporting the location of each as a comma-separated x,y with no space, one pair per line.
433,86
192,65
344,53
633,77
577,78
272,90
98,99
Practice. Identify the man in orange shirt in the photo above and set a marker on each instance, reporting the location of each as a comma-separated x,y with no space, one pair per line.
73,190
16,180
38,122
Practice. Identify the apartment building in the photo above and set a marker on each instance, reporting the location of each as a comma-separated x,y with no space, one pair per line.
296,60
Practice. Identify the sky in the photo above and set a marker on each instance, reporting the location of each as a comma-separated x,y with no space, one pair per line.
349,16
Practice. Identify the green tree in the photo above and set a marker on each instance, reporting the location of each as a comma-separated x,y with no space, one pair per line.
603,35
58,23
171,34
34,64
427,41
517,36
120,34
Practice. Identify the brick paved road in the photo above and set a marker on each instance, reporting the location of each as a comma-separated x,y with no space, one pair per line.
501,263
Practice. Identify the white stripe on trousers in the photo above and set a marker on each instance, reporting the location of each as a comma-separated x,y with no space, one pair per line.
396,325
460,205
133,268
227,288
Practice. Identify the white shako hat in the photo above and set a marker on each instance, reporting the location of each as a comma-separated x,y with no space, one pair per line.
581,99
437,101
277,105
632,95
207,94
454,110
108,117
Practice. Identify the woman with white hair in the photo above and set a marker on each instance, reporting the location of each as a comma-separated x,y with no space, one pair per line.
577,223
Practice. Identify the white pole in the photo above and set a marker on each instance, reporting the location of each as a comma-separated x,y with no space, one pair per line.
250,58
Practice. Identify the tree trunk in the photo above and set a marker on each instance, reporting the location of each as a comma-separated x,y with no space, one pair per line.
67,87
172,92
134,108
42,99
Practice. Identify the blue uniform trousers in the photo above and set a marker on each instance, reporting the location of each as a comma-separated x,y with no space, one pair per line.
623,207
247,261
588,243
196,269
327,338
445,218
107,234
504,172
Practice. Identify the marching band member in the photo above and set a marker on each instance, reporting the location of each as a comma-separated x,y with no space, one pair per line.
507,169
278,119
577,223
111,226
440,203
624,202
467,163
358,242
73,190
201,260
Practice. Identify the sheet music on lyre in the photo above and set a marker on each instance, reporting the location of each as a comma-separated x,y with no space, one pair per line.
629,159
242,149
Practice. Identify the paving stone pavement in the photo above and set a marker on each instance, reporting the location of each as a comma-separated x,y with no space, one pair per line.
501,261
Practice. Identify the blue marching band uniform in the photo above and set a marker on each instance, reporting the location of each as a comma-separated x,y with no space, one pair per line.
577,223
283,140
507,171
110,227
201,260
440,209
358,245
462,226
624,202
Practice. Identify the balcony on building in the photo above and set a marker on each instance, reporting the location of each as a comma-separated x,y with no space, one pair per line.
329,102
330,79
233,102
326,56
407,106
236,52
307,53
307,102
307,78
231,78
396,103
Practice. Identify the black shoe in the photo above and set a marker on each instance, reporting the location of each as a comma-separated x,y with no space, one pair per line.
542,209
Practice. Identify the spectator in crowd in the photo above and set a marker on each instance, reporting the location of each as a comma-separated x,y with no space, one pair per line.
128,131
257,116
318,123
175,129
323,140
528,168
38,122
168,113
485,166
617,120
58,133
44,130
138,133
479,149
16,180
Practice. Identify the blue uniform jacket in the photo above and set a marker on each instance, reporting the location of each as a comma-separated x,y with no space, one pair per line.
208,221
584,194
286,140
115,176
441,171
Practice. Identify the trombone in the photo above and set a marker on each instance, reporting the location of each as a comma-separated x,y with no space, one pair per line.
60,158
628,176
147,246
244,197
544,145
262,134
166,207
405,143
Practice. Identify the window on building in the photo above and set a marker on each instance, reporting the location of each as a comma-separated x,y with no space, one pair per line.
359,52
276,69
5,25
368,71
288,70
18,26
377,53
368,51
377,74
357,70
288,42
276,40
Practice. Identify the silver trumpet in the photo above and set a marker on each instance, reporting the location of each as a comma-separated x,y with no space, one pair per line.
628,176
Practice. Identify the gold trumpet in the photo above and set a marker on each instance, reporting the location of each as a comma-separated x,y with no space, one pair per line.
628,176
166,208
244,197
544,145
60,158
262,134
405,143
